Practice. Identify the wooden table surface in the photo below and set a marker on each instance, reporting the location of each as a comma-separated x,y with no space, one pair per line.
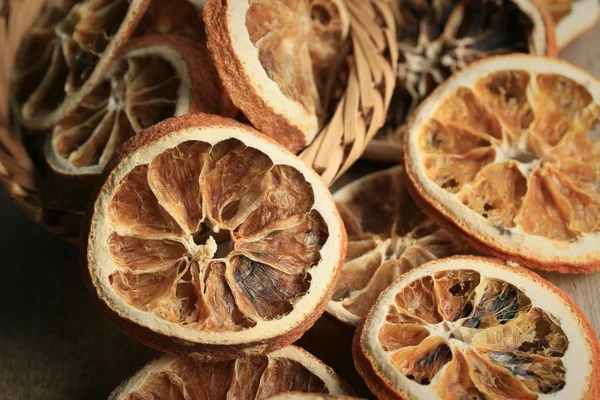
55,345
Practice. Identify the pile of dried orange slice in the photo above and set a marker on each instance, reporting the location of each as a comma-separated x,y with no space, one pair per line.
175,125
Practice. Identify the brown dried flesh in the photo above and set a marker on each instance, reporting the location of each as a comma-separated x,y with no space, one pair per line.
138,91
469,337
62,51
214,238
387,236
247,378
521,150
299,59
439,37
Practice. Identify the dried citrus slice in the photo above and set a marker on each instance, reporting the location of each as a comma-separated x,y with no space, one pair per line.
256,377
274,58
473,328
154,78
438,38
66,53
207,237
387,236
572,17
507,153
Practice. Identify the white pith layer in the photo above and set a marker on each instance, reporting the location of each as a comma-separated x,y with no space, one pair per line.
101,265
587,246
577,360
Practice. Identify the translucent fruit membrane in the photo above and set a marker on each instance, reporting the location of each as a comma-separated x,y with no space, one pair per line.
62,50
387,236
470,338
214,238
522,150
138,91
299,60
248,378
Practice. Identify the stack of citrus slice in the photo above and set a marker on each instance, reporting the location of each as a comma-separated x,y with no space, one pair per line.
257,377
213,242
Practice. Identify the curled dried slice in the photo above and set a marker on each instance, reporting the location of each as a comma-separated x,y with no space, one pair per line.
275,59
387,236
153,78
290,369
174,254
572,17
499,332
66,53
513,162
439,37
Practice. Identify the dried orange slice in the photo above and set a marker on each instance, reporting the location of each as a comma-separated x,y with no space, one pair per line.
154,78
257,377
207,237
473,328
387,236
572,17
66,53
274,58
507,153
438,38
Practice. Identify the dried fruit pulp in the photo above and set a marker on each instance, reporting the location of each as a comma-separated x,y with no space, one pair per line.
215,240
519,149
436,40
258,377
66,53
470,328
387,236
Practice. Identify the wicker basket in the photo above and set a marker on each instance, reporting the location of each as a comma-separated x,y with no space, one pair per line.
360,113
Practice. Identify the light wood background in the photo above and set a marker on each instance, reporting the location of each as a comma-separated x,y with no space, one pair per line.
55,345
